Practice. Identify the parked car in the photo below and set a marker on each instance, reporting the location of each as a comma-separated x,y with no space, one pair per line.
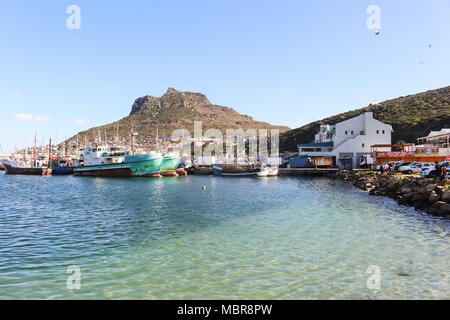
401,163
415,167
431,171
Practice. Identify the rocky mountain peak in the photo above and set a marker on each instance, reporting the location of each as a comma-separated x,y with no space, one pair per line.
174,110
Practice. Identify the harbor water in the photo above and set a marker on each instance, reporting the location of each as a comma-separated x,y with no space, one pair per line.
248,238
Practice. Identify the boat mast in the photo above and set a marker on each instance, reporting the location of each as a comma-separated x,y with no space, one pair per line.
157,140
34,149
132,138
49,153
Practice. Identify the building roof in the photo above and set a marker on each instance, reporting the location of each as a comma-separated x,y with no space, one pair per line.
437,133
318,144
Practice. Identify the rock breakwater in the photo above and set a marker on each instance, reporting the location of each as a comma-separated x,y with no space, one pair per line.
426,194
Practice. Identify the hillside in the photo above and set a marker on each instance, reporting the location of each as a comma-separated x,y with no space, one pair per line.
174,110
411,117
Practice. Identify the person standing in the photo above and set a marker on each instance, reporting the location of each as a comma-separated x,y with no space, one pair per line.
444,173
438,170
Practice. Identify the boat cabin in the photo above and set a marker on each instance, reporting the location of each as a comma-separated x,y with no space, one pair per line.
101,155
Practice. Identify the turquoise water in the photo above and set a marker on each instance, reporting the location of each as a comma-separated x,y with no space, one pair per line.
266,238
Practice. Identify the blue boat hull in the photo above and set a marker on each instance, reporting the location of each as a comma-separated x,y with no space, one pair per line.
62,171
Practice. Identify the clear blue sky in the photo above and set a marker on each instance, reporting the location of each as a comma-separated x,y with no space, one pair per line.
285,62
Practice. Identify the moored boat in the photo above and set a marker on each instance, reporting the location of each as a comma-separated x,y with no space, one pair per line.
62,171
113,162
236,170
268,172
200,170
169,165
61,166
16,167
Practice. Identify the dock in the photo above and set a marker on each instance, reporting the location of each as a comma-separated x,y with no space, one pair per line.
311,171
307,171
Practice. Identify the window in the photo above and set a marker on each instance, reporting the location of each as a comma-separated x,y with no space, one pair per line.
363,145
345,132
361,132
383,131
378,131
351,132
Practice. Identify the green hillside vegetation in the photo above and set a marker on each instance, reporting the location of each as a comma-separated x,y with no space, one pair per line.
411,117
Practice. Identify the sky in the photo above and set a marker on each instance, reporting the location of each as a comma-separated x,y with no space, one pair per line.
284,62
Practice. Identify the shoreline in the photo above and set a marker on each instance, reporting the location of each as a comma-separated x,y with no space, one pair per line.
427,194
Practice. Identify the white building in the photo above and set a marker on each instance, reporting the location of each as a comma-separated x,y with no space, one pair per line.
349,140
439,139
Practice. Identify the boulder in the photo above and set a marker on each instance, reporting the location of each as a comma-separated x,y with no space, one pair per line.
446,196
433,210
440,190
406,189
433,197
430,187
438,204
445,209
417,197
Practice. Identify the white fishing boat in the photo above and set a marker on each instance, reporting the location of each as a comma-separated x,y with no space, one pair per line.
236,170
268,172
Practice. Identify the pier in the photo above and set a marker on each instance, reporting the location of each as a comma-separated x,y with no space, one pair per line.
307,171
311,171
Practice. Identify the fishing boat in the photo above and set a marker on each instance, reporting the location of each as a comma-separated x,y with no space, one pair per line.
268,172
201,170
19,167
61,166
106,161
236,170
169,165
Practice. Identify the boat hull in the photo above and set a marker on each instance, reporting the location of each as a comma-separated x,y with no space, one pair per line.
25,171
218,170
169,165
203,171
62,171
134,166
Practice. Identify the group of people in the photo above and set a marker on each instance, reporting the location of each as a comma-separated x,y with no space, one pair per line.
385,168
441,171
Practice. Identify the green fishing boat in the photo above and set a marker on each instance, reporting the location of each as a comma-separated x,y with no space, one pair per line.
169,165
109,162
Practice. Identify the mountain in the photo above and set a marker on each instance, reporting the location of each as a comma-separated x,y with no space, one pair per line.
411,117
174,110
